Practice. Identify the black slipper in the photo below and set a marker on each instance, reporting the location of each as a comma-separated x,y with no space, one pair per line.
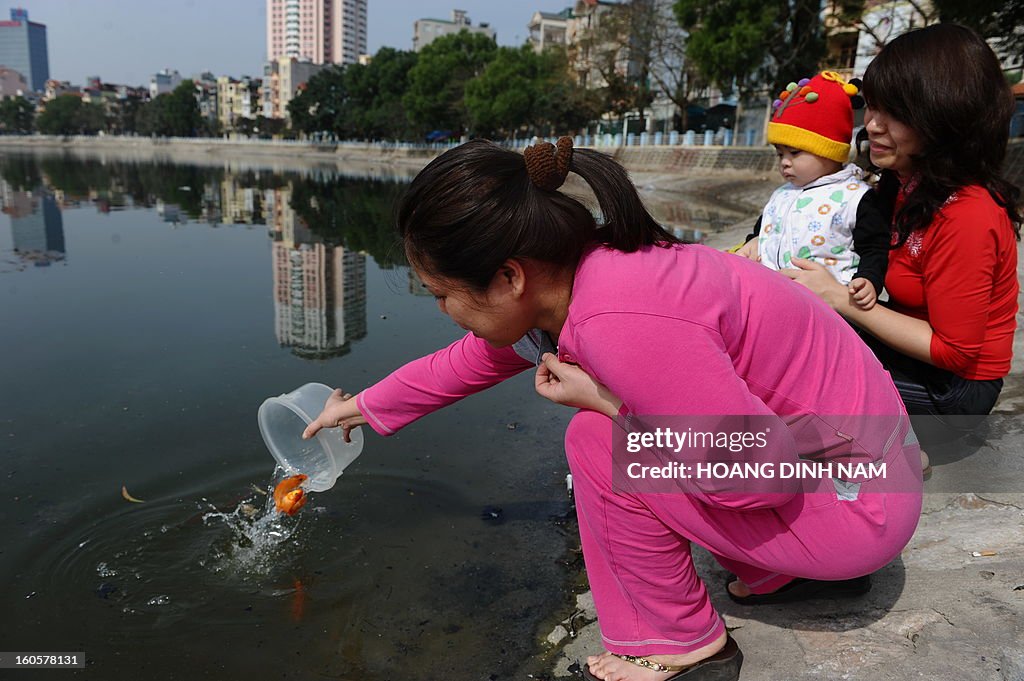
722,666
801,589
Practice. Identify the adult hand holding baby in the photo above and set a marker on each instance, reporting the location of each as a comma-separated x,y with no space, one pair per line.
819,280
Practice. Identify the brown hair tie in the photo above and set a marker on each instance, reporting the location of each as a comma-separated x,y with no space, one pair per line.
548,164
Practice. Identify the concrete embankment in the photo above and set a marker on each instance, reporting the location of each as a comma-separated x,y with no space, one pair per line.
680,161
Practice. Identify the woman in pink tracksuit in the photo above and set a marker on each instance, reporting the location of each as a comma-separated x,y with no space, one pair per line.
641,327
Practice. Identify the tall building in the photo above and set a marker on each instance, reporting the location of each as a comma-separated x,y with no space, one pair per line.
23,48
319,288
37,227
426,31
320,31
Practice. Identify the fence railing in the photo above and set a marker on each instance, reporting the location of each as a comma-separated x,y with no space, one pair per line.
609,141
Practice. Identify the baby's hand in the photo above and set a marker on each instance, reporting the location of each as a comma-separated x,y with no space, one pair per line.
863,293
749,250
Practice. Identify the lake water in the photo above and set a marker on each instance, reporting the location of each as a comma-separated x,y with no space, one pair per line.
146,310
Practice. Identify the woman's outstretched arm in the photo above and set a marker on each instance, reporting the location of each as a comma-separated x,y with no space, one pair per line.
422,386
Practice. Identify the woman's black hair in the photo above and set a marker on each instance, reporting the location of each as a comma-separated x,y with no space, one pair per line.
474,207
946,84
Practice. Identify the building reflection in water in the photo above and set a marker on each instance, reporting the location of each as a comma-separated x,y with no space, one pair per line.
319,288
37,228
239,205
319,285
169,212
416,285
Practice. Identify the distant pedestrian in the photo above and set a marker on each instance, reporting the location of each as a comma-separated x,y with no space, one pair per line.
826,212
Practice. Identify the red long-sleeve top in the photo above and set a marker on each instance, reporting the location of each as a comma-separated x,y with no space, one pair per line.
960,275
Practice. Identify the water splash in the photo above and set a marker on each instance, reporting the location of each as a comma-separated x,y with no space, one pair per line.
259,540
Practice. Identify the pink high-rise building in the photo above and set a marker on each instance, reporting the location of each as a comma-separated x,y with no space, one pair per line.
322,31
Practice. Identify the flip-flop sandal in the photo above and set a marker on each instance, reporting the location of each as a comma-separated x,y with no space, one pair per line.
801,589
722,666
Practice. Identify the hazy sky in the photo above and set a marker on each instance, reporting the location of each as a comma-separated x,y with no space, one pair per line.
126,41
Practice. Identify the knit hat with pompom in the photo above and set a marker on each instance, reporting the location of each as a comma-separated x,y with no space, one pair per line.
816,115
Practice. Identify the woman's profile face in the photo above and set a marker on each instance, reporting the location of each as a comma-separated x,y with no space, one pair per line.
893,144
496,315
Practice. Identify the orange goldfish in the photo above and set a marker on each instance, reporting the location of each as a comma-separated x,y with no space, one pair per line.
289,497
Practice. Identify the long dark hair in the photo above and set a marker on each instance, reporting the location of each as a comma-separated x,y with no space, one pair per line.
474,207
945,83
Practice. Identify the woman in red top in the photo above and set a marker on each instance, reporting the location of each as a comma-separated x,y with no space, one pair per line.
937,121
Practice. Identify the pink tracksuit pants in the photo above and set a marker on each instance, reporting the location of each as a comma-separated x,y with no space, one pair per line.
649,598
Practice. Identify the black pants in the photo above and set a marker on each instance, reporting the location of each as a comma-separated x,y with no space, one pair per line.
946,406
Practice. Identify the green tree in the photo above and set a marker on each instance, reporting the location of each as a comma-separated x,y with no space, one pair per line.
996,19
521,90
125,116
92,118
21,172
373,109
60,116
751,43
184,119
354,213
68,115
172,114
319,106
504,96
435,98
561,104
17,115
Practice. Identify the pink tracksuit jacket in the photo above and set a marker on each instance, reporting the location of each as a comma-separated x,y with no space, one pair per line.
688,330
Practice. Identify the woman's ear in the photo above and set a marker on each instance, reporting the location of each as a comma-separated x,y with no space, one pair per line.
511,277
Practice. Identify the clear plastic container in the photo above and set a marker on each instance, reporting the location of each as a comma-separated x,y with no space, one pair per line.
324,456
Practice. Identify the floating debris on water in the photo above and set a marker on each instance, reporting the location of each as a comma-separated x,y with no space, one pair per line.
129,497
492,514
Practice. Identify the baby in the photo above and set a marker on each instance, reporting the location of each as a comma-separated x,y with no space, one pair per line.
825,212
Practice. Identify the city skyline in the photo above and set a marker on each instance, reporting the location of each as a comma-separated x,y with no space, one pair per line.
127,42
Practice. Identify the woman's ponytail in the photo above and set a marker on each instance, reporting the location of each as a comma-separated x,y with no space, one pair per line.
627,224
478,205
